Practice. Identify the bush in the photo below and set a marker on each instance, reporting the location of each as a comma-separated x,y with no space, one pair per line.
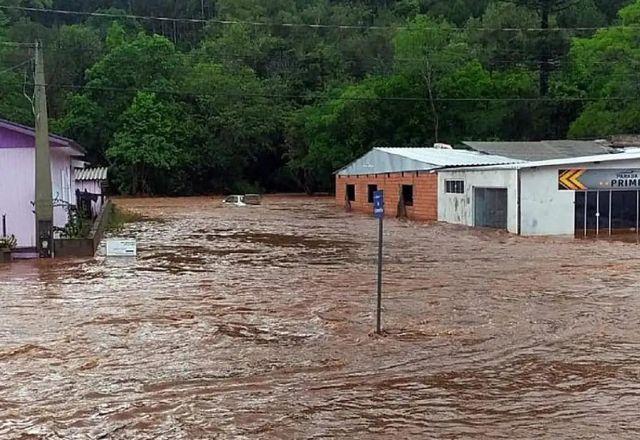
9,243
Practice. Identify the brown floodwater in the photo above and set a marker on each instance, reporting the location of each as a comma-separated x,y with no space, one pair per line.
257,322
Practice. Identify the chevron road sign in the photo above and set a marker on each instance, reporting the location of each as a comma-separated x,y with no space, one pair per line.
598,179
569,180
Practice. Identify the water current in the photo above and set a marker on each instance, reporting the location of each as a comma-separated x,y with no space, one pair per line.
257,322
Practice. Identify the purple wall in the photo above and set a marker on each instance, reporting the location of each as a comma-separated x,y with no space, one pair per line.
14,139
17,190
17,183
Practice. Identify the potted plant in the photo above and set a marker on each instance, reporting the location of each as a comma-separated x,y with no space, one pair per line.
7,244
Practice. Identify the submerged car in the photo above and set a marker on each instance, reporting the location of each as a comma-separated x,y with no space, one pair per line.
252,199
236,200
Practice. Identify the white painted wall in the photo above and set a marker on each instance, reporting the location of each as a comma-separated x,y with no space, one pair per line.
63,186
459,208
546,210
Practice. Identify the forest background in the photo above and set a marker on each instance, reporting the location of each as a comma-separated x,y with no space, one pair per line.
275,95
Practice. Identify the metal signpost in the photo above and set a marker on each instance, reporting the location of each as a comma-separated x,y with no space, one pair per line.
378,212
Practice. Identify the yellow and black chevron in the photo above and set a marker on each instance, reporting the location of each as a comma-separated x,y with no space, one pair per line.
570,180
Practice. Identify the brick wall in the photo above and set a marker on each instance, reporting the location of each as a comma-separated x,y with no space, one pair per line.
425,193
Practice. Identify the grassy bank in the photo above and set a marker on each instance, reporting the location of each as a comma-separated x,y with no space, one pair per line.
120,217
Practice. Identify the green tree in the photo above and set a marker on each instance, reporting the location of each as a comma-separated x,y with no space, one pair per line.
605,69
147,144
13,67
500,49
281,107
148,63
547,41
235,127
427,50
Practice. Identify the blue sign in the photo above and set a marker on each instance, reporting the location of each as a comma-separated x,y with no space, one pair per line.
378,204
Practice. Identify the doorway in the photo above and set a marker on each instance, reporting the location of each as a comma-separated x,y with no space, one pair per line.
490,208
607,214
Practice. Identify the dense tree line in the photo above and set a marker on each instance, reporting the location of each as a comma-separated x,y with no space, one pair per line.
249,97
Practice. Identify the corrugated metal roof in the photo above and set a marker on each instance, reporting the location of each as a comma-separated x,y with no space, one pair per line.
91,174
445,157
599,158
542,150
395,160
625,140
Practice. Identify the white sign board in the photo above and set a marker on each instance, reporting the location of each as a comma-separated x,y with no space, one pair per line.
121,247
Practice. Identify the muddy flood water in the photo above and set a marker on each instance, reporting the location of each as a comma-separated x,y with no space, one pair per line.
257,322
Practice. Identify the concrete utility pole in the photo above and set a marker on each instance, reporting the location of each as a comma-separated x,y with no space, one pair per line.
44,191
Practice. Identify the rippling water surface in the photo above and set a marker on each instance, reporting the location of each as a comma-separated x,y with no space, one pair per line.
256,323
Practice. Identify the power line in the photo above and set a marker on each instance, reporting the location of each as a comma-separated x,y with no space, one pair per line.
195,52
488,61
303,25
16,44
339,98
491,65
16,66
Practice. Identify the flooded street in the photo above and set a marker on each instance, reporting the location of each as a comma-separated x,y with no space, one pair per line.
257,322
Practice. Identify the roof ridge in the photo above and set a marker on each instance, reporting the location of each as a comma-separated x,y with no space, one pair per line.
25,129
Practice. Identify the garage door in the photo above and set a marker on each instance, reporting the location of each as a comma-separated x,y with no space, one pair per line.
490,208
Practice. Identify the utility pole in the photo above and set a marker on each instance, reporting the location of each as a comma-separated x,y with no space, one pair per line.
44,192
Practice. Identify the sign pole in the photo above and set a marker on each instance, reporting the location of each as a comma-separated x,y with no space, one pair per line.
378,212
379,310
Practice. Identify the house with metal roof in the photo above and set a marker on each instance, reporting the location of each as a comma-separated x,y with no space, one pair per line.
91,187
17,180
543,150
408,177
588,196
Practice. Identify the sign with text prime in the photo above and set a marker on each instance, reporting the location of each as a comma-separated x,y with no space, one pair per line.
598,179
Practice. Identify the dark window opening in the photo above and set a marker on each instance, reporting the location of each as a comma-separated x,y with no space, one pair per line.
351,193
407,195
370,190
454,186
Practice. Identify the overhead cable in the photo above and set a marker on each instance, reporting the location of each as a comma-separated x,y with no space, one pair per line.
16,66
337,97
303,25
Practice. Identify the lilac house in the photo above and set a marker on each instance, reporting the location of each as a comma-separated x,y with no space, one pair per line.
17,179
